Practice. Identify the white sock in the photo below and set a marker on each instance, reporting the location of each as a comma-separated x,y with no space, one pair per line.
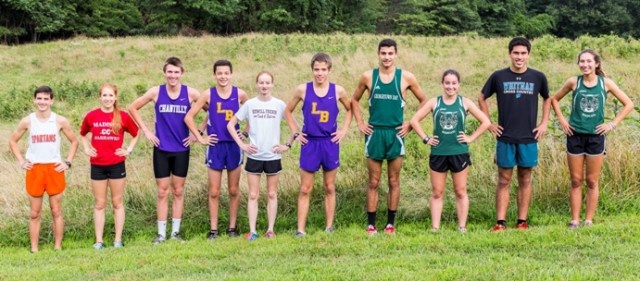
175,225
162,228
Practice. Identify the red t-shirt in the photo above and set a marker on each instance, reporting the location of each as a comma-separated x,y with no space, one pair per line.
103,140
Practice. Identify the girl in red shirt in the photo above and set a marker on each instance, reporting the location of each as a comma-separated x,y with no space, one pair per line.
107,125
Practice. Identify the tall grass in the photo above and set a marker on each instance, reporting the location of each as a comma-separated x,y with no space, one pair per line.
76,67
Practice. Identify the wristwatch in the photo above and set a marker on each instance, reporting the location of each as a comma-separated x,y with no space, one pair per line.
68,163
426,139
245,134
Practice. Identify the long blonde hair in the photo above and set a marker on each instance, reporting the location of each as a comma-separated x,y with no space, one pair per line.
116,122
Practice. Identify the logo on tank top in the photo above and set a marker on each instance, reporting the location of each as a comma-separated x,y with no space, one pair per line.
172,108
589,103
228,114
43,138
448,122
324,115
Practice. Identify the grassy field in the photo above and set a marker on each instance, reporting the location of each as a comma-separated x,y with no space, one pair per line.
75,68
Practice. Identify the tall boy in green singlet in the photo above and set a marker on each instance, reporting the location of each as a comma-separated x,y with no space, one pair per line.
384,133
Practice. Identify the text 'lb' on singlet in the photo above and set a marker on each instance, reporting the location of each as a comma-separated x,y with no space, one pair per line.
386,104
587,110
44,140
220,112
448,123
170,127
320,113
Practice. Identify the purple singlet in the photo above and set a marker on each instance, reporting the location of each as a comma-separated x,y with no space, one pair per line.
170,126
320,113
220,112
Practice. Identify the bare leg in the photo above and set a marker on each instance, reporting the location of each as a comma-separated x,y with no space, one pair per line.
330,195
55,202
272,200
163,198
502,192
394,166
233,183
215,179
252,205
524,192
99,188
594,165
576,169
35,204
375,169
438,181
178,197
117,201
462,199
306,186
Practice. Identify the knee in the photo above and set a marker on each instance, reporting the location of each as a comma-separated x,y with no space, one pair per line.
117,204
34,215
100,205
214,194
504,181
461,192
592,183
576,182
163,192
437,194
234,192
178,191
329,189
374,183
56,213
253,196
272,195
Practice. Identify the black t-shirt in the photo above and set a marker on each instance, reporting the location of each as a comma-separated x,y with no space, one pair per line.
517,95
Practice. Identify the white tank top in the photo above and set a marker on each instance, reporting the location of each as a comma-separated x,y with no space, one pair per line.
44,141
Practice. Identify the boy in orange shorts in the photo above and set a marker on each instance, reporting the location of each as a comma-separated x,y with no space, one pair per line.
43,163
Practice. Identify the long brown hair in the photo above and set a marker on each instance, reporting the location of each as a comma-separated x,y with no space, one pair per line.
116,122
596,58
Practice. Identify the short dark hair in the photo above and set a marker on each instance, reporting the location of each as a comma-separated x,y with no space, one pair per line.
321,57
43,89
388,43
222,63
520,41
450,72
173,61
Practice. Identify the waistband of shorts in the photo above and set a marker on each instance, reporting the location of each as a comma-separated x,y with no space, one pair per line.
318,137
386,127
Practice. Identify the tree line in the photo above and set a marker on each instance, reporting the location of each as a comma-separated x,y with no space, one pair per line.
35,20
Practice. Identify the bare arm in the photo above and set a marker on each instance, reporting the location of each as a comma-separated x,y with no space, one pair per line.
22,128
420,114
150,95
231,127
203,100
624,99
478,114
363,84
346,103
495,129
65,127
414,87
542,127
567,87
298,95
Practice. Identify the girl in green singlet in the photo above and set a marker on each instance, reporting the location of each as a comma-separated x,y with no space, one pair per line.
586,129
449,145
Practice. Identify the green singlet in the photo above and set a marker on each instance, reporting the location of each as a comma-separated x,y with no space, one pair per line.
448,123
587,110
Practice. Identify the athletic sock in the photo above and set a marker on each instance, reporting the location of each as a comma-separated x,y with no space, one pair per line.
162,228
521,221
391,217
175,225
371,217
502,222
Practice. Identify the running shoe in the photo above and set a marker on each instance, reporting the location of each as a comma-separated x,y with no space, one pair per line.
522,226
232,232
269,234
159,239
299,234
176,236
498,228
329,229
462,229
389,229
251,236
213,234
587,223
98,246
435,229
573,225
118,244
371,230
